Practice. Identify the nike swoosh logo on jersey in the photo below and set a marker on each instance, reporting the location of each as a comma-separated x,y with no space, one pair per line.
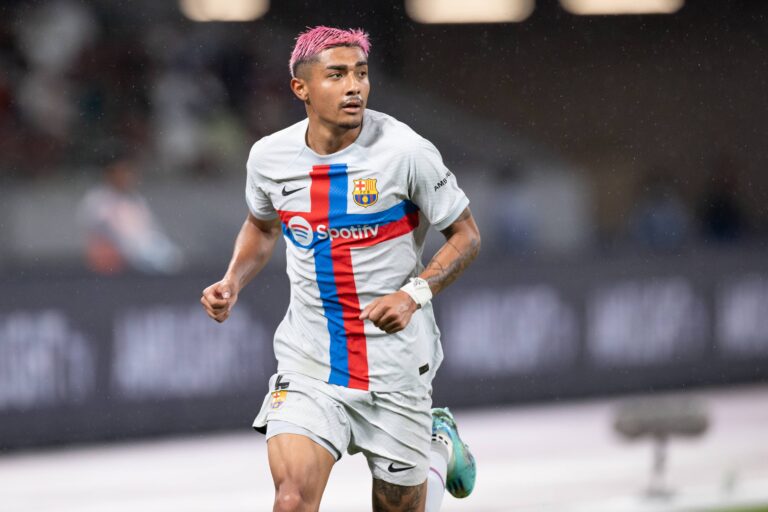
393,469
289,192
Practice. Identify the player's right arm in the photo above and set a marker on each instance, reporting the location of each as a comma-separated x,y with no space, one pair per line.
253,248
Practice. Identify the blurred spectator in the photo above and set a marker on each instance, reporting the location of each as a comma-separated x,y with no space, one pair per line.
514,212
53,34
540,209
194,96
183,100
659,219
51,39
46,104
721,212
120,230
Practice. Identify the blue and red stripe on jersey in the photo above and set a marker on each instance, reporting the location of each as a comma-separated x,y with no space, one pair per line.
333,265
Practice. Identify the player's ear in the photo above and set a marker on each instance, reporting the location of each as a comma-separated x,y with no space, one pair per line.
299,88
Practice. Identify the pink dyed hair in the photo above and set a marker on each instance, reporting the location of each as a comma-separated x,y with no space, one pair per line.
314,40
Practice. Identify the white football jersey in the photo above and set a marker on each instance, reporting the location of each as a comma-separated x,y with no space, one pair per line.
354,224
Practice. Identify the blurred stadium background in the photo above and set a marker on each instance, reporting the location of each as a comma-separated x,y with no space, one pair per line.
613,150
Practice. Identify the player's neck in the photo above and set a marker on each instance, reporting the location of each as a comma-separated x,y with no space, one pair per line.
326,139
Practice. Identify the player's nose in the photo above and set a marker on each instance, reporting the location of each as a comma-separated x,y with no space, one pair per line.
353,86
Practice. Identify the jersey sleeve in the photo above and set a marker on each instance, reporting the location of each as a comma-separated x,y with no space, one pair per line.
433,188
255,193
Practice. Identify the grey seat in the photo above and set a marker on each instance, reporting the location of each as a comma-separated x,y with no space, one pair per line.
660,419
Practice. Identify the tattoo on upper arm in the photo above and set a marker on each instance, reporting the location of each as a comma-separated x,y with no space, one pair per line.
397,498
464,215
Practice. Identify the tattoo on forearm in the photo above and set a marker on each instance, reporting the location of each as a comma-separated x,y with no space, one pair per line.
439,274
397,498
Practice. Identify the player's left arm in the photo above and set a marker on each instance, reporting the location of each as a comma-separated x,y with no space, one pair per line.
461,247
392,312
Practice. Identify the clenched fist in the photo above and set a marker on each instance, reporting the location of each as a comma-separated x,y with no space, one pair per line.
390,313
218,299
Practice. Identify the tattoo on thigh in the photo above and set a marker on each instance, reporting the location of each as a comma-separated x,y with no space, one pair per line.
397,498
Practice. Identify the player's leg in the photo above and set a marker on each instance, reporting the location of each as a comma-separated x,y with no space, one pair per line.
306,433
439,456
393,431
461,468
450,461
388,497
300,468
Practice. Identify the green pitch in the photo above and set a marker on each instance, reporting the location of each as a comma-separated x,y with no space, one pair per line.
751,509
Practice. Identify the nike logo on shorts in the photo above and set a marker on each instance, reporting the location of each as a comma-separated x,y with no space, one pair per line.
393,469
289,192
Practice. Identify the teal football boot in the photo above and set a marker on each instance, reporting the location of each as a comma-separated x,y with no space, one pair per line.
462,469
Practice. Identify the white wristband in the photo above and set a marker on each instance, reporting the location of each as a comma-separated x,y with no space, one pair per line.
419,291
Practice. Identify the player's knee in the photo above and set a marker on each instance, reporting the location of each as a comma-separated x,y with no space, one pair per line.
288,498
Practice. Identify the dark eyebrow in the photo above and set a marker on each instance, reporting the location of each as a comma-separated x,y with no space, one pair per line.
342,67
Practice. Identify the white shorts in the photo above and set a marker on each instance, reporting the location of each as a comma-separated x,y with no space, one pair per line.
392,429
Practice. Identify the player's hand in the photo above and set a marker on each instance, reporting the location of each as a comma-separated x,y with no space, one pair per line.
390,313
219,298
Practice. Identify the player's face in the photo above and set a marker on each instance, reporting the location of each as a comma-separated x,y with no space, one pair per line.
337,86
123,176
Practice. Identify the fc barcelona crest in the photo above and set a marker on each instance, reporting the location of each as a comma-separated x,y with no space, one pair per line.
364,192
278,398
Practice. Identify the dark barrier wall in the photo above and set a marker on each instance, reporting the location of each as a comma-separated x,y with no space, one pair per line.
85,358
